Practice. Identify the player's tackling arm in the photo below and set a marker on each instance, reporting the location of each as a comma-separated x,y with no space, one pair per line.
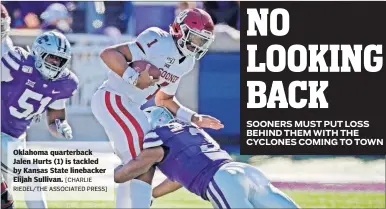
165,188
140,165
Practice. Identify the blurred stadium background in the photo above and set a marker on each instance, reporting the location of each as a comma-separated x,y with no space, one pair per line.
213,87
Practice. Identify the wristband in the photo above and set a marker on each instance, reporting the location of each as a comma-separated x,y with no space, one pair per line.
130,76
185,114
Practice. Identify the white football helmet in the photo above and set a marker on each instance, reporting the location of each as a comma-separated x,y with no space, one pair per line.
52,52
158,116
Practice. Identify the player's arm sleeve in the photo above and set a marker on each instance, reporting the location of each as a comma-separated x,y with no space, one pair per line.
58,104
152,140
10,61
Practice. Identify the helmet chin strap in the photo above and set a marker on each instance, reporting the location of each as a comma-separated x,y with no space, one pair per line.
178,48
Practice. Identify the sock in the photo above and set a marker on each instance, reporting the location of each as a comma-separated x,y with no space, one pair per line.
134,194
36,203
122,197
141,195
34,199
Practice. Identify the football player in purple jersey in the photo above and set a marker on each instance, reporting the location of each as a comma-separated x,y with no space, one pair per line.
189,157
33,83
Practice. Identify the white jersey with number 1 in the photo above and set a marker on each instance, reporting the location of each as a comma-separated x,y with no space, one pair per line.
116,104
159,48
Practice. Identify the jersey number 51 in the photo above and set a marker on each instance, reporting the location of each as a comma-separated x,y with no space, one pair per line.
29,108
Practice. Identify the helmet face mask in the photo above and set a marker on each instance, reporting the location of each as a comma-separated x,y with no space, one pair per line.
194,43
52,54
54,69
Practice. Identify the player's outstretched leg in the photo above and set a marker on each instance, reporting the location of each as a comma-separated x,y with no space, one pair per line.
262,193
272,197
239,185
229,189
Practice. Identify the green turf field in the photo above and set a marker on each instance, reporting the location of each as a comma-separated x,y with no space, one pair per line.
306,199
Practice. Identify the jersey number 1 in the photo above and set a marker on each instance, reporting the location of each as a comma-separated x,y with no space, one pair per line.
29,108
151,43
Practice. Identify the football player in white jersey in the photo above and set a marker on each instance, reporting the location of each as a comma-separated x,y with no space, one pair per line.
116,104
6,42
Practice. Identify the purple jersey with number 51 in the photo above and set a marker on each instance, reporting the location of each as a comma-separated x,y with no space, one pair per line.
191,158
25,93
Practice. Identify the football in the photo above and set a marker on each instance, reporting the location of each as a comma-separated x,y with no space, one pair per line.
141,65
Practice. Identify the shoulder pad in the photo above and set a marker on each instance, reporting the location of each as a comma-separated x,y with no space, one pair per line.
155,42
70,76
157,32
153,37
70,83
74,79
